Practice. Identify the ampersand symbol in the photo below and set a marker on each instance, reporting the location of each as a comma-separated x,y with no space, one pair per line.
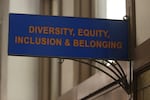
67,42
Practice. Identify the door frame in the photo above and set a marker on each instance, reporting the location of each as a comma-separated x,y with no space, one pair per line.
136,74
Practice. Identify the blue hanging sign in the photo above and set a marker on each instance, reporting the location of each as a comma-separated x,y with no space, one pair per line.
67,37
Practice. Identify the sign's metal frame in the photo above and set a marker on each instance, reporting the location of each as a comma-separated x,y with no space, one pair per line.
117,71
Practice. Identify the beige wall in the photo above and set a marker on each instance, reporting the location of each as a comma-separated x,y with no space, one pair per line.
100,8
67,76
116,94
19,75
95,82
142,55
3,48
67,68
71,72
142,20
1,7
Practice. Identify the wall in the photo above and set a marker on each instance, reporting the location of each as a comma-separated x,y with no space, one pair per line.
0,19
19,78
142,20
67,68
100,8
0,11
142,55
72,73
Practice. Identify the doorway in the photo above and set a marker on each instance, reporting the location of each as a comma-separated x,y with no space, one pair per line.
142,81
